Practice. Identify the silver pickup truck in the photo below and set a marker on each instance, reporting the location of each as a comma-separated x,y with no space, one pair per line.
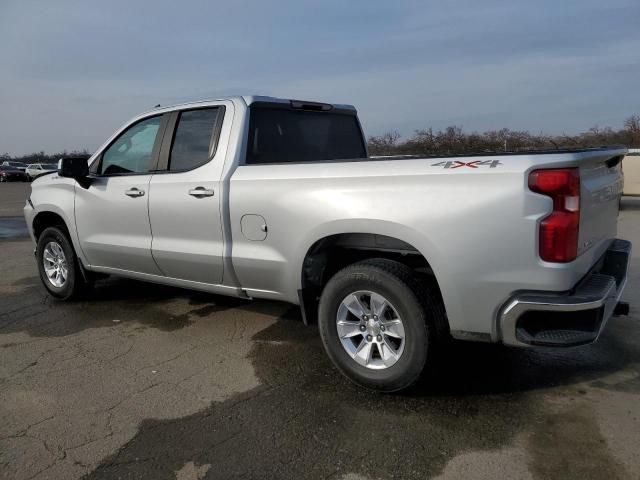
258,197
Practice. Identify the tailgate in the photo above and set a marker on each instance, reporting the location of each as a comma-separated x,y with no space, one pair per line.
600,191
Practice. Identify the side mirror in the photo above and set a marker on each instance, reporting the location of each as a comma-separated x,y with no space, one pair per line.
76,168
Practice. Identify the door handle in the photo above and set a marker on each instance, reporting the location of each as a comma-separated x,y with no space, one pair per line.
134,192
200,192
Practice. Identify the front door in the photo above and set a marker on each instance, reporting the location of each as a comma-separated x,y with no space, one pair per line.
184,199
112,214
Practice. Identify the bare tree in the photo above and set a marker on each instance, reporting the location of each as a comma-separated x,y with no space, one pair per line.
453,140
632,124
385,144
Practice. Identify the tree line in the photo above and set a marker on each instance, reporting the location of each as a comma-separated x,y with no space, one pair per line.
454,140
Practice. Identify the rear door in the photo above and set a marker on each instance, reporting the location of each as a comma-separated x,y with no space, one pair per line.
112,214
185,195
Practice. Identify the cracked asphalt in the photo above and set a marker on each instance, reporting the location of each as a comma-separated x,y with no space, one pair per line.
145,381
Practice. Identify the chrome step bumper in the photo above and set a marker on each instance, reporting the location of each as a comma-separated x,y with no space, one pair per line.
572,318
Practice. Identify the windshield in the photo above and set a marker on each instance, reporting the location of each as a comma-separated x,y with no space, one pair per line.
285,135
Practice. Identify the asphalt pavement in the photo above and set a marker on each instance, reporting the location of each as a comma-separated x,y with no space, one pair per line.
144,381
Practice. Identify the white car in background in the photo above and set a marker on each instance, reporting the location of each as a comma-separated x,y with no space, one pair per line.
34,170
631,168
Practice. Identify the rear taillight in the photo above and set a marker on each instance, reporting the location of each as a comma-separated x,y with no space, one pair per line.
559,231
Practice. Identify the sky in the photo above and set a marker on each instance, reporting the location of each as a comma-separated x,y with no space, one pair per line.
71,72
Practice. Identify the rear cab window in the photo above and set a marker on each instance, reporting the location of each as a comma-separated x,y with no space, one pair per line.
194,139
282,134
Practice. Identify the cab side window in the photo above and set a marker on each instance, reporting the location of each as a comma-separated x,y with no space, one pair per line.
192,142
132,152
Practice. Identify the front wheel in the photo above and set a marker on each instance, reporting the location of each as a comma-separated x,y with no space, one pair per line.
377,324
58,265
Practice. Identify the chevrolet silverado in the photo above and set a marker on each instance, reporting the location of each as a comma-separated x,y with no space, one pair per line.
258,197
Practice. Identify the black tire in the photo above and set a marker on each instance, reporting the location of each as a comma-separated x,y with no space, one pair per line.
420,310
74,285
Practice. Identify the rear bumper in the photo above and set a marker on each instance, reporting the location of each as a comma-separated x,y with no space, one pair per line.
571,318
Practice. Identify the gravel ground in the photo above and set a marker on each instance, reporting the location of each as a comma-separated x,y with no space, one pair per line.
144,381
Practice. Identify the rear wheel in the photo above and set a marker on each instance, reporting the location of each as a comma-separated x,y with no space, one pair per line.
377,323
58,265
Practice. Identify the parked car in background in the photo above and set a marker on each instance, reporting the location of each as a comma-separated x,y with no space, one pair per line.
34,170
631,168
11,174
19,165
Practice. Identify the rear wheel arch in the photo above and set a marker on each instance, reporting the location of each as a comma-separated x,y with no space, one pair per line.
357,341
330,254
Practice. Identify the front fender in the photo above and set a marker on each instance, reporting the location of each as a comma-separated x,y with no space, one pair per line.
56,195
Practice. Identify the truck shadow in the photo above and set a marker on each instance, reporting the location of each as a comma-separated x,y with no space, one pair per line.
484,368
30,309
467,368
307,421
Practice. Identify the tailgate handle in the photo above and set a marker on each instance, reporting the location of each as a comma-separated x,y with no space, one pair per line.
613,161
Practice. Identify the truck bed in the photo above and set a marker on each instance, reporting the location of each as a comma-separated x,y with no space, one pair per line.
546,151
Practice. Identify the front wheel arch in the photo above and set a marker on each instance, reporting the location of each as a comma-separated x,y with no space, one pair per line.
46,219
76,281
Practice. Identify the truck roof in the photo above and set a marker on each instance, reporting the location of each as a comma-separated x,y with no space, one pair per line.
248,100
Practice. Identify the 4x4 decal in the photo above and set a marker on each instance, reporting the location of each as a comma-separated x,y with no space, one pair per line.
474,164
